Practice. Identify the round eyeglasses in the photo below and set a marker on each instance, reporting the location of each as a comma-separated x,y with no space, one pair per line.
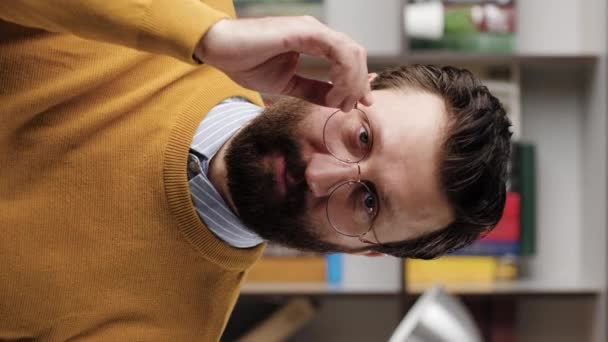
352,205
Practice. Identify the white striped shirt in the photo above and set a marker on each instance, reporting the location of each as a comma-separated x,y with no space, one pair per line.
214,130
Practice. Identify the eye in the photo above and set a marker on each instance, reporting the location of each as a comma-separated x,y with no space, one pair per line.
363,136
364,202
369,203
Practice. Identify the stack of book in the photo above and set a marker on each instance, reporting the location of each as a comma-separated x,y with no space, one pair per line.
474,26
263,8
283,265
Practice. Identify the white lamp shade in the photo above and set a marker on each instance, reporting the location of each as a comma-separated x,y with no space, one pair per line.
437,317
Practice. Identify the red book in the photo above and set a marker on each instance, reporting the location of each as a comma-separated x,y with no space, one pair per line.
508,228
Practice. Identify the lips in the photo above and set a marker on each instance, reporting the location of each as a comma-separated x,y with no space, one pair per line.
280,175
289,180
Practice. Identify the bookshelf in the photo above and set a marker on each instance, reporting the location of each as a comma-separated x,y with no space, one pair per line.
518,287
561,67
317,289
445,58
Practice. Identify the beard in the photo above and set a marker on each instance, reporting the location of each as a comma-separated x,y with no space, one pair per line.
253,185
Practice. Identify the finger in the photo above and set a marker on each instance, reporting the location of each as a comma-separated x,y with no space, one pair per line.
335,97
348,105
352,77
310,90
342,95
351,71
368,98
348,57
280,65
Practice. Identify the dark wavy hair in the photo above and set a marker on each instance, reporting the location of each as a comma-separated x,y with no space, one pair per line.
474,156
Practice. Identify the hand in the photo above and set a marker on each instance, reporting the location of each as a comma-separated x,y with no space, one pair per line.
262,54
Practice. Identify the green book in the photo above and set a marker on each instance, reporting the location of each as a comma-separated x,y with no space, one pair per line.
463,33
526,158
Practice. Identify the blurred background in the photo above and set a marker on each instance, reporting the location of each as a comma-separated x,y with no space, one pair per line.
541,274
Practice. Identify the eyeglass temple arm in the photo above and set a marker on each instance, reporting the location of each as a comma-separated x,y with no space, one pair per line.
364,240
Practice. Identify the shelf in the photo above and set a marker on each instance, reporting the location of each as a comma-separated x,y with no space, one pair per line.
304,289
518,287
482,59
467,59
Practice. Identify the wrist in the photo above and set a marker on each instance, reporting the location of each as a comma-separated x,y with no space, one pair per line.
205,43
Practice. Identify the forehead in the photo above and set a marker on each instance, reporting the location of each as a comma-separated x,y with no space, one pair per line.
409,127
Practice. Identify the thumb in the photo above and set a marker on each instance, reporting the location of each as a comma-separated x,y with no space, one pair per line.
307,89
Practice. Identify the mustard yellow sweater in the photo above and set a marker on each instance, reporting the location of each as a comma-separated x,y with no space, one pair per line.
99,240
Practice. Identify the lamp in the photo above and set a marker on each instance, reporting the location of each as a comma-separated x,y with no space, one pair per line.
437,317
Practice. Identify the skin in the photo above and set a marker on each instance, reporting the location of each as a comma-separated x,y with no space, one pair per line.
262,54
408,127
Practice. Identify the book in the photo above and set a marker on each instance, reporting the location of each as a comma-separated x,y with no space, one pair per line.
334,268
504,239
460,269
280,264
515,234
486,27
288,269
527,188
523,181
490,248
263,8
508,228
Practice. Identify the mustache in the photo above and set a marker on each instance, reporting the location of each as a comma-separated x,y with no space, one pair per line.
286,220
295,166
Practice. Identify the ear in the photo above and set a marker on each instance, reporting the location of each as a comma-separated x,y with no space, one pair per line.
370,254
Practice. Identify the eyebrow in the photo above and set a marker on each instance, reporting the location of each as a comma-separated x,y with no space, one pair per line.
385,202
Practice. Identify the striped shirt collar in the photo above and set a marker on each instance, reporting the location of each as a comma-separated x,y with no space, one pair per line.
215,129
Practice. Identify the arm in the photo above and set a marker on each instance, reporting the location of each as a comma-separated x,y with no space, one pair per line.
259,54
262,54
166,27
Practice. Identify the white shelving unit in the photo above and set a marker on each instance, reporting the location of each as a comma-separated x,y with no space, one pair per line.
305,289
564,114
561,65
518,287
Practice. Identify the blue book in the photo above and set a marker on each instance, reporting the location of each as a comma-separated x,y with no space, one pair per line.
334,268
490,248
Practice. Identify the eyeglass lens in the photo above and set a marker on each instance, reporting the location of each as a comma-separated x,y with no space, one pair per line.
352,206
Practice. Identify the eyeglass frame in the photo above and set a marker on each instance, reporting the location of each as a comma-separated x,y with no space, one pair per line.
352,181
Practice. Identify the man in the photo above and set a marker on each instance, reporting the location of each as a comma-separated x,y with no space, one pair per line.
138,189
419,173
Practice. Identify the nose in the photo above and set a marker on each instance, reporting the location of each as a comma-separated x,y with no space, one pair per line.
324,172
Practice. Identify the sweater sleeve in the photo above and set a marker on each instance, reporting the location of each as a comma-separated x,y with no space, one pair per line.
169,27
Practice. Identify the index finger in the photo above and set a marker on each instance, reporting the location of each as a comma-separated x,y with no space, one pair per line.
349,59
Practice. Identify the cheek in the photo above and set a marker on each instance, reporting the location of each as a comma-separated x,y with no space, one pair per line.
316,214
310,136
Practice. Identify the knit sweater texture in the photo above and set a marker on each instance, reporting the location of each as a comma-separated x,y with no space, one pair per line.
100,241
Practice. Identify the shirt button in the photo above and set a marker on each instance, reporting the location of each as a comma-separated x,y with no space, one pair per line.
194,167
